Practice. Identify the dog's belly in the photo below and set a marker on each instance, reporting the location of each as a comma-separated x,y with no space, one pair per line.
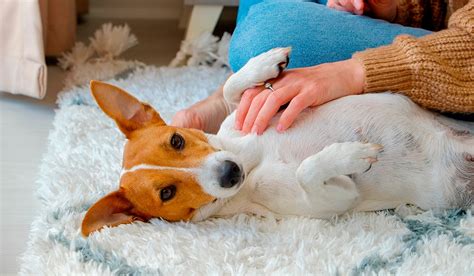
420,163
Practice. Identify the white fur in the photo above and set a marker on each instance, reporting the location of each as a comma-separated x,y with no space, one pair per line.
159,168
305,171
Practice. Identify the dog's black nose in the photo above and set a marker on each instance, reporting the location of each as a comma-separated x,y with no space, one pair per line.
230,174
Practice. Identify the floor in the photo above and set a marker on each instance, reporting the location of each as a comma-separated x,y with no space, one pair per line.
25,124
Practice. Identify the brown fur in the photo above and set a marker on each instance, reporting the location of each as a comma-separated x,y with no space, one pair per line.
151,145
138,197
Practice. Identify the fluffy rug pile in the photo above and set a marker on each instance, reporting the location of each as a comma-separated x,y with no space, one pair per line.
83,163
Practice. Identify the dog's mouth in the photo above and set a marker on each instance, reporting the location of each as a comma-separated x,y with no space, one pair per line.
209,209
222,177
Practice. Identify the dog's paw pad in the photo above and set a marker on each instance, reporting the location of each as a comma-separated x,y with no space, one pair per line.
354,157
282,65
361,156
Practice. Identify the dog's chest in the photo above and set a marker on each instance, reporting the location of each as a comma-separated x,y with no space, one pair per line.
414,149
273,184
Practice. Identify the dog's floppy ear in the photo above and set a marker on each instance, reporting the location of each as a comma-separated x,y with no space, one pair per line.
111,210
129,113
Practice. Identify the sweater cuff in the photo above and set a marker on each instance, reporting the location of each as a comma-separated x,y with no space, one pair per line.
387,68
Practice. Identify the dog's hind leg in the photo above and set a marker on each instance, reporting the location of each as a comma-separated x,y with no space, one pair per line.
325,175
255,72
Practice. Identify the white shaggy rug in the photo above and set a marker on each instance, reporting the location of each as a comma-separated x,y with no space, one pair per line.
83,164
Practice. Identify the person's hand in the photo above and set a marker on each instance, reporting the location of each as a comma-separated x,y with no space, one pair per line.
206,115
381,9
301,88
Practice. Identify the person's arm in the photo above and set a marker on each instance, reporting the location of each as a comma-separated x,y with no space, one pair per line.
435,71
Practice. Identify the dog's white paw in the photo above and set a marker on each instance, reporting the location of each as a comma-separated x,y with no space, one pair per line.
338,159
255,72
336,193
267,65
354,157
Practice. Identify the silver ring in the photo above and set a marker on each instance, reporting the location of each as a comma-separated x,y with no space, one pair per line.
269,86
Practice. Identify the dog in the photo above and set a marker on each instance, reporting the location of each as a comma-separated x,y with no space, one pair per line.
358,153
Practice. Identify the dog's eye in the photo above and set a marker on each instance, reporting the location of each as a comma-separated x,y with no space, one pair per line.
177,141
167,193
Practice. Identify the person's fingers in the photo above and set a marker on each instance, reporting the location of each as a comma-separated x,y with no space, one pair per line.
353,6
298,104
271,106
335,4
339,8
331,3
344,8
347,5
358,6
244,106
255,107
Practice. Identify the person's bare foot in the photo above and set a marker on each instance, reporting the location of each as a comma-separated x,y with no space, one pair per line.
206,115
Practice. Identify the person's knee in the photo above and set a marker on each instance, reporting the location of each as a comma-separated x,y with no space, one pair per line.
244,7
240,50
243,42
272,24
256,33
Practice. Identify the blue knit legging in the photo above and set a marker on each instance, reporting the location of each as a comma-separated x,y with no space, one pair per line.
316,33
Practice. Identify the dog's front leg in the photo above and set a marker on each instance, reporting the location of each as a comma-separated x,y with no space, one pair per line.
324,176
254,73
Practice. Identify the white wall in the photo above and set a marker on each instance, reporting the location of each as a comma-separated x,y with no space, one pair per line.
146,9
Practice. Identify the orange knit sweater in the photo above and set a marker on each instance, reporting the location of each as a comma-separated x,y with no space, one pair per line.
436,71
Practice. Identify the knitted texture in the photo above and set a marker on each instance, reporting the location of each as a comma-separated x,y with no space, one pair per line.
426,14
410,13
435,71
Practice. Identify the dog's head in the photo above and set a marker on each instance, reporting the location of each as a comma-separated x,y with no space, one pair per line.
167,172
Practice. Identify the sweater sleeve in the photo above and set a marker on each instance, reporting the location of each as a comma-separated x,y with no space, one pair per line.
436,71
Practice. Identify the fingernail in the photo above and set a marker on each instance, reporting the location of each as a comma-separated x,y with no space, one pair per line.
280,128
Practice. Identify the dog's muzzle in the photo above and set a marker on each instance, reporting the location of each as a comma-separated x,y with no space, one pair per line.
230,174
221,175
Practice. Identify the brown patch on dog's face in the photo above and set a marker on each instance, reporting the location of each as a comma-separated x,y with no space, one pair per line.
171,192
156,145
144,188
